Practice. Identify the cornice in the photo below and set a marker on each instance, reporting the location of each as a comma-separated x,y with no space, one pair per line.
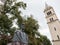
52,21
55,40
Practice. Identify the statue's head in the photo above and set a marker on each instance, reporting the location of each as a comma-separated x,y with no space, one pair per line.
22,26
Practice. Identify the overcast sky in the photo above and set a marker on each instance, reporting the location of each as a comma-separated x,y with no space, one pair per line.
36,8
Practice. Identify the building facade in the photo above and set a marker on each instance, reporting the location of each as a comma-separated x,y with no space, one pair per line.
53,24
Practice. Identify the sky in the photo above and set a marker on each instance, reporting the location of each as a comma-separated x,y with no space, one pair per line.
36,8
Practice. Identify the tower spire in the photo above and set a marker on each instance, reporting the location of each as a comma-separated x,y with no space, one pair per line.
46,5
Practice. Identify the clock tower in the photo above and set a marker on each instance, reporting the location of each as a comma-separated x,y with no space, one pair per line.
53,24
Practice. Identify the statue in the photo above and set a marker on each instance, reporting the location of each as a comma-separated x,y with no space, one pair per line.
20,37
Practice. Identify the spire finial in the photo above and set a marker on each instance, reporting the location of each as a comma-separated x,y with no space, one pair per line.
46,5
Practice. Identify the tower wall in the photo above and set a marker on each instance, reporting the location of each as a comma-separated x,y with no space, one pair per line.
53,24
56,43
54,32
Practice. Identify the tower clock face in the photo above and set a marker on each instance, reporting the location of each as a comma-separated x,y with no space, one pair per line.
49,13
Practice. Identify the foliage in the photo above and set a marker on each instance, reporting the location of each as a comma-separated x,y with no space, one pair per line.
46,41
11,7
31,28
43,40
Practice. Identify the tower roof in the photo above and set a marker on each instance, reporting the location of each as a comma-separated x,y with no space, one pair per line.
47,7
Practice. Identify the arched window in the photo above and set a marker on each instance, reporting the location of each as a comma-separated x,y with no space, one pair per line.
49,13
51,19
54,28
58,36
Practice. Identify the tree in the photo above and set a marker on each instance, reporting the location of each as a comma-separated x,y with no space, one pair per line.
10,8
44,40
31,28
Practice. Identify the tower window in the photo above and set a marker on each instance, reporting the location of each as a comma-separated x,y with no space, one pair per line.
51,19
49,13
58,36
54,28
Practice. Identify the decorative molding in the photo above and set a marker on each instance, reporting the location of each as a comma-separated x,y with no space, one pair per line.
52,21
55,40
